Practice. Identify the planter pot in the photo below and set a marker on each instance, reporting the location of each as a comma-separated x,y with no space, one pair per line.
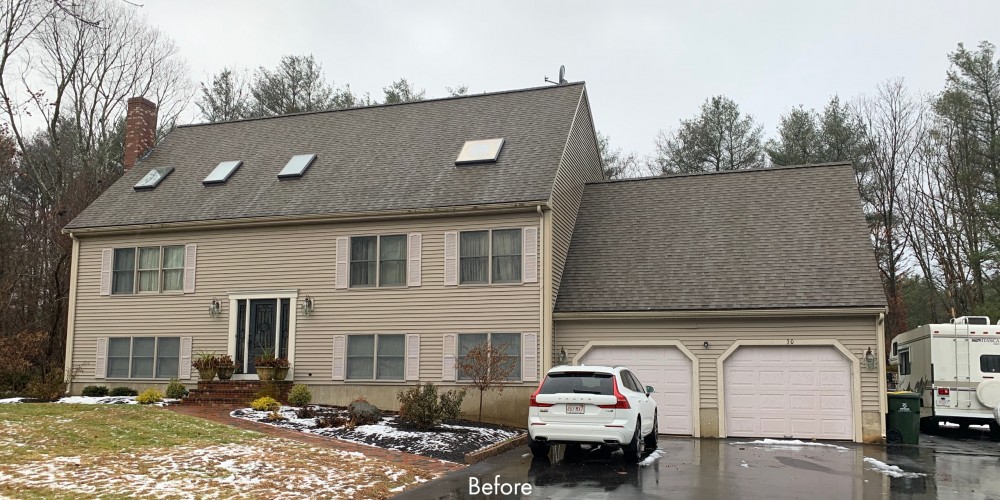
206,374
280,373
265,373
225,372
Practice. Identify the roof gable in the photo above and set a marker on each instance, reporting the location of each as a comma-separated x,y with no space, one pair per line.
373,159
757,239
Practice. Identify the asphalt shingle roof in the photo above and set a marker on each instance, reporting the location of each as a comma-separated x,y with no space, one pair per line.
789,237
379,158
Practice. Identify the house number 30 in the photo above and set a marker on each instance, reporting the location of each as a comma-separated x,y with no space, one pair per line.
790,341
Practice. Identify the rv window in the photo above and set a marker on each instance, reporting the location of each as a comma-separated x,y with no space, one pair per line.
894,350
904,363
989,363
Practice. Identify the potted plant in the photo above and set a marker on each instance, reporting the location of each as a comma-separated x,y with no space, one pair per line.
281,366
205,364
265,365
224,367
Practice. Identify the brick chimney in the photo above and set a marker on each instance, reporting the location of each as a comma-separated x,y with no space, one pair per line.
140,129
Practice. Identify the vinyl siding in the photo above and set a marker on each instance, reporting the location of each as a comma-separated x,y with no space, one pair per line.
857,334
581,163
303,257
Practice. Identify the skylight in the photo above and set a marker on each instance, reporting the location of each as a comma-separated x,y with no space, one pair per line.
481,151
222,172
296,166
153,178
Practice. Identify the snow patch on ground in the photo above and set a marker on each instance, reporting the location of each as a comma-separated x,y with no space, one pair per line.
10,400
654,456
791,444
890,470
96,400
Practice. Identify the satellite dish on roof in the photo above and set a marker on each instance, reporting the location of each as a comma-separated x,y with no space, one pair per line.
562,74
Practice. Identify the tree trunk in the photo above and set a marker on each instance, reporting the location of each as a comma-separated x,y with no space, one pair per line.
480,405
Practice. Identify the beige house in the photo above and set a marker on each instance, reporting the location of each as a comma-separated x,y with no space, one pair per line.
750,300
372,246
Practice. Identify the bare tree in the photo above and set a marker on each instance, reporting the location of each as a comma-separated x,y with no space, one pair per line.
488,368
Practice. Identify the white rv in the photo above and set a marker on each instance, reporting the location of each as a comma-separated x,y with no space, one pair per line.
955,367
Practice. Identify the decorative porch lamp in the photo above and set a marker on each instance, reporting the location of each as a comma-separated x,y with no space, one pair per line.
307,306
214,308
870,359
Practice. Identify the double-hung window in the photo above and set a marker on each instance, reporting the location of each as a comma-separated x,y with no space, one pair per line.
511,342
378,261
143,357
492,256
376,357
148,270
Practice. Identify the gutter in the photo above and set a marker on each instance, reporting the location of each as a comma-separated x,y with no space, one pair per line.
495,208
716,313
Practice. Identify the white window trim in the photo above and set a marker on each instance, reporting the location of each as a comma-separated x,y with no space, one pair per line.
489,338
156,351
293,307
378,261
489,257
135,272
347,343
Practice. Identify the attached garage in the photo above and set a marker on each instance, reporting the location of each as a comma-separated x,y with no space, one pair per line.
665,368
788,391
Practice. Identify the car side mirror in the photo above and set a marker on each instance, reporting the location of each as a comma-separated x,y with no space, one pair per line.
649,390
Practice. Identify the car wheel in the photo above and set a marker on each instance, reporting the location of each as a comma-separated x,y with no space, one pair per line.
539,449
650,440
633,451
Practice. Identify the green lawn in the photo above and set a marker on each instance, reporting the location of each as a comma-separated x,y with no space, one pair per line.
120,451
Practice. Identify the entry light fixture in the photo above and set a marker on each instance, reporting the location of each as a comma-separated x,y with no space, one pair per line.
214,308
705,344
870,359
307,306
562,356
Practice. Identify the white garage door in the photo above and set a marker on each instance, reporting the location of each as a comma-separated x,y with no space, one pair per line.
666,369
785,392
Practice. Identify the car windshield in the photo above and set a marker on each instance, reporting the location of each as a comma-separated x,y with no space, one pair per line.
578,383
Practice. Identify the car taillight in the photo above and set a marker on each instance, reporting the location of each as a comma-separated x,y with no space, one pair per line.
622,403
532,401
944,391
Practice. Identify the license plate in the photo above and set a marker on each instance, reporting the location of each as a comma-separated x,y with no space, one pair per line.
574,409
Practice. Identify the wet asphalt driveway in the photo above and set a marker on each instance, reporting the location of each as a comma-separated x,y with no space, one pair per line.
948,465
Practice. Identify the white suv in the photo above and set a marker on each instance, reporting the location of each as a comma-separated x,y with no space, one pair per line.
596,405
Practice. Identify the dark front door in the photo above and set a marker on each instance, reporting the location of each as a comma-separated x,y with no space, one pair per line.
261,336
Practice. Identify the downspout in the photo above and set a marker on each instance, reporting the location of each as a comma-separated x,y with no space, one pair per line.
880,335
71,315
545,337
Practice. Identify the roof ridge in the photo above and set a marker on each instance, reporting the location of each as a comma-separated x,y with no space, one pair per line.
723,172
385,105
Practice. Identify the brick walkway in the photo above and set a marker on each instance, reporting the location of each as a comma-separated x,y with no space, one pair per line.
220,414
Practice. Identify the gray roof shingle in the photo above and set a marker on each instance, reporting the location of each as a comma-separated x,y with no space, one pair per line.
379,158
775,238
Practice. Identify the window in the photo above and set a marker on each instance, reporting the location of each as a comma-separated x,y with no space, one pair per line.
577,383
378,261
148,270
904,362
989,363
143,357
490,256
512,341
376,357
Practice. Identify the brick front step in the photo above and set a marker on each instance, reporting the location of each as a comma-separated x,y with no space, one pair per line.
234,392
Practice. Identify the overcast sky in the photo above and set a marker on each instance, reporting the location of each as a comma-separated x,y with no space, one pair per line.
647,64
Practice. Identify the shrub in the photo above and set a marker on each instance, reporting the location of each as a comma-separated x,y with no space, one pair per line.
265,403
50,386
150,396
306,412
363,413
420,406
299,395
123,391
328,421
95,391
203,361
176,390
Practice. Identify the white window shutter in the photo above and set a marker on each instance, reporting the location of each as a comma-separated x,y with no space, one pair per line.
101,365
530,255
339,359
340,282
412,357
190,264
413,259
448,358
529,357
451,258
184,370
106,256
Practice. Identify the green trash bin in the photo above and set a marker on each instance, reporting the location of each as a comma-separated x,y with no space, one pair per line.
903,420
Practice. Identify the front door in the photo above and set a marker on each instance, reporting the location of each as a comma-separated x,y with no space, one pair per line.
262,327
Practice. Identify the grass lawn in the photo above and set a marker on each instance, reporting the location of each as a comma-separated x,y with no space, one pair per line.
120,451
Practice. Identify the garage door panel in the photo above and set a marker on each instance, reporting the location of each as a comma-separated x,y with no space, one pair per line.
665,368
788,391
